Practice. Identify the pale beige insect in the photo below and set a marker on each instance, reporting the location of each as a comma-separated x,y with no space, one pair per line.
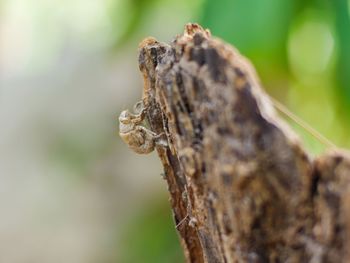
140,139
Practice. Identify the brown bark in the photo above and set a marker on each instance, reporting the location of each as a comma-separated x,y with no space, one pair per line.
242,187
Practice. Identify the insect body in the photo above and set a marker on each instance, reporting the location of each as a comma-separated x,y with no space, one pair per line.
140,139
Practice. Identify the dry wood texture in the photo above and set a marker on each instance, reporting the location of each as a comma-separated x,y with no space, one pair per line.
242,187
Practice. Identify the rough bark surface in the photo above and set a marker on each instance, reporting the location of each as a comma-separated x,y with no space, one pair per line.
242,187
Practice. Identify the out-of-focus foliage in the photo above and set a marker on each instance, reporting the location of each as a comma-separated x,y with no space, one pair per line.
152,237
127,17
132,16
341,9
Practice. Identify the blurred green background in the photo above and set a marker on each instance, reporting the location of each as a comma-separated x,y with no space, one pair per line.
70,190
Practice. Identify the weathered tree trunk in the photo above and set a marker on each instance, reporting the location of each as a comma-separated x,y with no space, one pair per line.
242,187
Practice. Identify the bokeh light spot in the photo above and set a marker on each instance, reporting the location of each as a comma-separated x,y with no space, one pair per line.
310,46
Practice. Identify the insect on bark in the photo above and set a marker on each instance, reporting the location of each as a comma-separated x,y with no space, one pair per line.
131,129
